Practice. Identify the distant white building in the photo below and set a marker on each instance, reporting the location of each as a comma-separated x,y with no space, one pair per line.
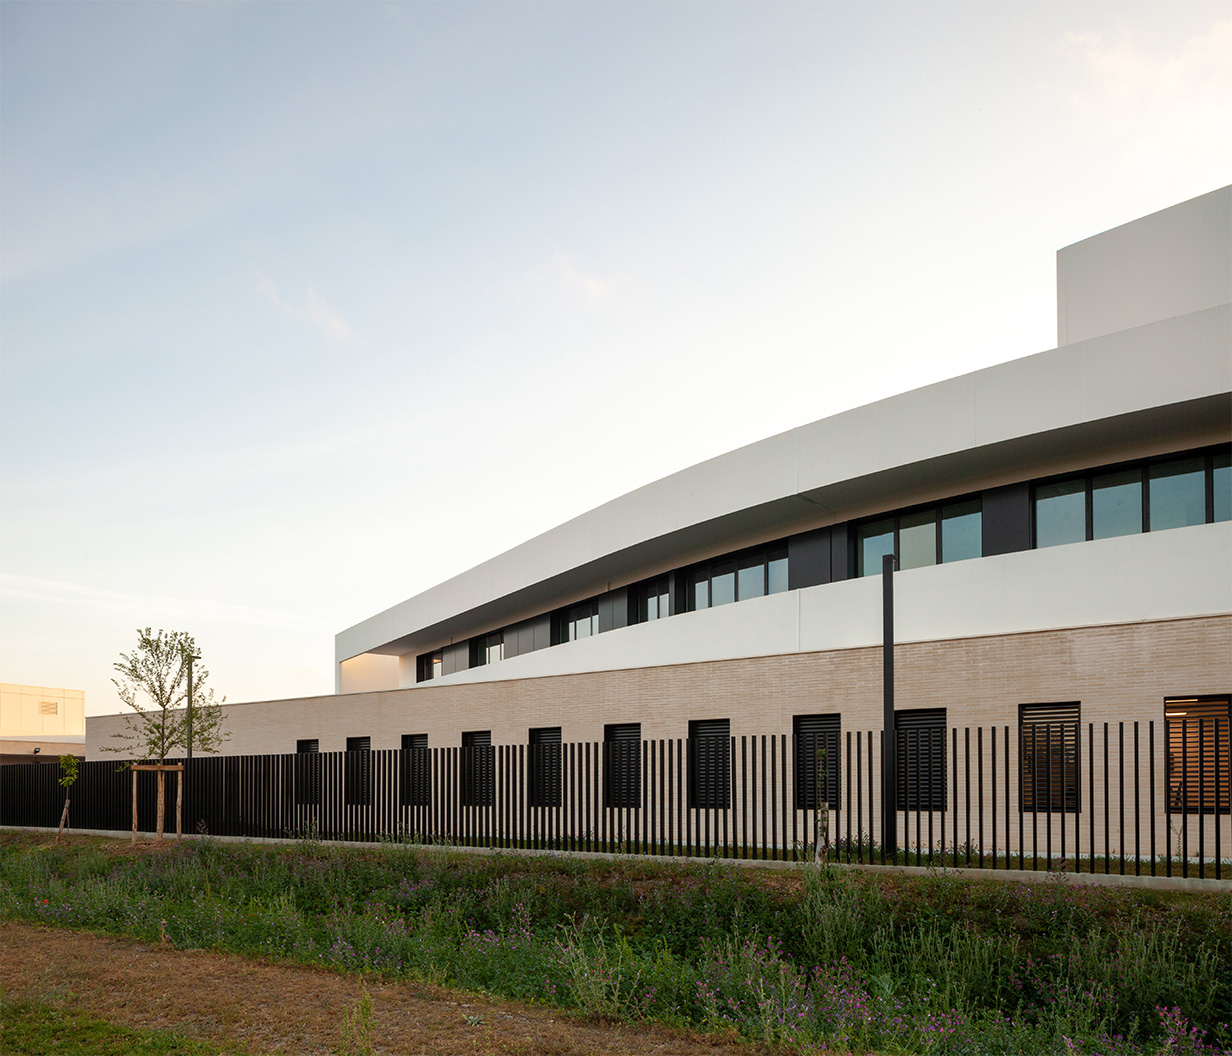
53,721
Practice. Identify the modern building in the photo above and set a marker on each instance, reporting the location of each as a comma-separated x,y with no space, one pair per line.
1063,524
40,721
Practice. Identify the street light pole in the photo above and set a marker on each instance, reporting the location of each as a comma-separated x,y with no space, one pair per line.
889,754
190,658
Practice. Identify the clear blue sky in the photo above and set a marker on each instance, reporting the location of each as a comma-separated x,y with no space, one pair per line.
307,307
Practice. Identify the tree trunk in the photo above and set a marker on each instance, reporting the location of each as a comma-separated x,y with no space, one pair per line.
63,820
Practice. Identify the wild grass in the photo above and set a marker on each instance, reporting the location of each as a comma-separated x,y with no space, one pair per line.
822,956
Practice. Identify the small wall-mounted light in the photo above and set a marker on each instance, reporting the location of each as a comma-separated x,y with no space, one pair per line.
37,750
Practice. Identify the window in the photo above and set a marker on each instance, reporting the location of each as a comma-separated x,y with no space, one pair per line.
920,737
710,764
1061,512
622,764
1116,503
1177,495
545,769
1153,495
817,760
415,771
358,785
488,649
650,601
1048,766
478,769
580,621
1221,487
1197,730
308,772
930,536
738,577
429,666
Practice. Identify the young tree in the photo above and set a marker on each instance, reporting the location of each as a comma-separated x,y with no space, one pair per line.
158,670
68,778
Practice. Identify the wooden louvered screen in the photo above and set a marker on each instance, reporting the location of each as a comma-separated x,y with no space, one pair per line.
622,765
710,764
920,743
415,777
817,760
1049,764
1197,734
478,769
545,767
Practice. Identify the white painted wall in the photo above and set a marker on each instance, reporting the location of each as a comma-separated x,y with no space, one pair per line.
1160,575
1170,263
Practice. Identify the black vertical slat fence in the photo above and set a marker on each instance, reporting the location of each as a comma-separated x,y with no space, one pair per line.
754,797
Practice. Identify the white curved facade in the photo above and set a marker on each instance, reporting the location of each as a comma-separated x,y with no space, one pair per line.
1143,371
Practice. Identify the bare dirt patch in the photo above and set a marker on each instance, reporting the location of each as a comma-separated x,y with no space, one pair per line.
264,1007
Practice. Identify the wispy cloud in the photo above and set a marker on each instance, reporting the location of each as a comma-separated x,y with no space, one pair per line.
591,288
79,595
1160,100
313,310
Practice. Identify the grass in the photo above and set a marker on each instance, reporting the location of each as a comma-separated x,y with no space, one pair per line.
44,1030
932,964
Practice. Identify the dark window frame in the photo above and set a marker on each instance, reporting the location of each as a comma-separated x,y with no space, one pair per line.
731,564
1143,466
308,772
937,508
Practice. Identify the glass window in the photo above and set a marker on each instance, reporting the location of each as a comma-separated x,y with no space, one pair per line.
357,791
654,601
778,571
962,531
917,539
1061,512
1223,487
920,733
1178,494
478,770
582,621
723,584
415,771
1116,504
701,588
874,542
751,577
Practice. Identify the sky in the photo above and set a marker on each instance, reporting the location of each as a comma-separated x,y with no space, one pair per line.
305,308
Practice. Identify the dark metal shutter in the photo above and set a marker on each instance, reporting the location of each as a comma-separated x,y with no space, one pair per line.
622,764
817,760
710,764
415,771
1048,768
478,769
920,737
308,773
545,769
358,788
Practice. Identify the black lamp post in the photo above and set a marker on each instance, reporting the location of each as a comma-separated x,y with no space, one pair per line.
889,754
190,658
